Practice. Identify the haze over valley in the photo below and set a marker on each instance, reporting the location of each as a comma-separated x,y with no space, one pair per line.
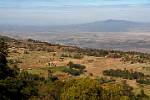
108,34
102,24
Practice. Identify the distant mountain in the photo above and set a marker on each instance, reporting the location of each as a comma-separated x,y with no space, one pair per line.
98,26
109,26
105,26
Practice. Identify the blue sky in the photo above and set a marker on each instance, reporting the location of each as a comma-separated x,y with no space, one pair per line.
56,12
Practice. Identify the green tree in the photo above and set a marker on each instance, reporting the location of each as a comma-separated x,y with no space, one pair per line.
15,86
81,89
5,71
20,88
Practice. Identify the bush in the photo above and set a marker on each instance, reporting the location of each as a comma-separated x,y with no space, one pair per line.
77,56
143,81
74,69
123,73
20,88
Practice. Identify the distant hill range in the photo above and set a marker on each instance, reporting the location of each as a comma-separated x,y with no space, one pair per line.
98,26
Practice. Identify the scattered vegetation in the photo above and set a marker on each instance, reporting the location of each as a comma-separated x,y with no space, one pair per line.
91,89
130,56
13,84
140,77
73,55
17,84
126,74
76,52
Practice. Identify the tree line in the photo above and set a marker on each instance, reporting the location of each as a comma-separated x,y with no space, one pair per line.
126,74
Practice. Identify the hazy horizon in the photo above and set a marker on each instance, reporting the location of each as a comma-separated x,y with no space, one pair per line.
62,12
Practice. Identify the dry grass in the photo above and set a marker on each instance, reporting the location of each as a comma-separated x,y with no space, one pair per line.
94,65
38,62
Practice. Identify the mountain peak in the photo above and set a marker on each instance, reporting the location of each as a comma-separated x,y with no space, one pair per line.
113,20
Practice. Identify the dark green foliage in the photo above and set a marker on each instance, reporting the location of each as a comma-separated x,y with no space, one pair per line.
74,69
144,80
95,52
3,60
135,59
15,85
3,52
103,80
130,56
5,71
20,88
73,55
123,73
3,47
51,79
77,66
140,77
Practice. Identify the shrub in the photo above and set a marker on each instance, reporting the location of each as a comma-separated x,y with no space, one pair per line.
74,69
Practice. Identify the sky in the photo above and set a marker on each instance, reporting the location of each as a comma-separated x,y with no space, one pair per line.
62,12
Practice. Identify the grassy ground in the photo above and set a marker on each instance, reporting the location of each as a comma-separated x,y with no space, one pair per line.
58,69
38,61
95,65
39,71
